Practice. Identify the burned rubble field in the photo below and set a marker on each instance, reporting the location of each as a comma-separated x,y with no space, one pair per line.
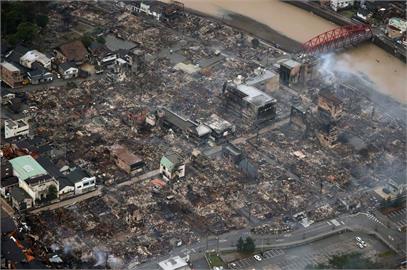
293,172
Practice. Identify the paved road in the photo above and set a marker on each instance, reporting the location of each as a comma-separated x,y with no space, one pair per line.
262,131
70,201
139,178
361,222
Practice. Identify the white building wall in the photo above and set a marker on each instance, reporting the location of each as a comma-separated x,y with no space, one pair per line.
85,184
11,130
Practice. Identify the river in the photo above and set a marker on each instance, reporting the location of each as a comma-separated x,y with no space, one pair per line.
388,73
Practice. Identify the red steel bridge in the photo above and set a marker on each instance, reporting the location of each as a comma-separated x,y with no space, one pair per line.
349,35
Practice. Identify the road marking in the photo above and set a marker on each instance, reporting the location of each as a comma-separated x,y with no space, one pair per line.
335,222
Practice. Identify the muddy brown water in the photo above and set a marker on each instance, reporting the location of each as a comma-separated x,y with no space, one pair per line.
386,71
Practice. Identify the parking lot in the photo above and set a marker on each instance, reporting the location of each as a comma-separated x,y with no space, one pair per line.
398,217
250,261
314,253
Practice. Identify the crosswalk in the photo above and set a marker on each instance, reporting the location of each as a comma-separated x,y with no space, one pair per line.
375,219
398,217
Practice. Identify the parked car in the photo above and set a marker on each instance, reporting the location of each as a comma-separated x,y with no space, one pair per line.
257,257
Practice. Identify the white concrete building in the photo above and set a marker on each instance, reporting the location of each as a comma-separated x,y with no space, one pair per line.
341,4
172,166
81,181
16,128
35,56
174,263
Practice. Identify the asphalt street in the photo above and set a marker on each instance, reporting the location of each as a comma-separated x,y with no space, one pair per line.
361,222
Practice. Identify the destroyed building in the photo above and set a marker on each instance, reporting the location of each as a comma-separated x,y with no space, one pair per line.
249,102
194,131
125,160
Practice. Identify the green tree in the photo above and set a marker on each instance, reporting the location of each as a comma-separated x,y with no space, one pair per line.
41,20
52,193
101,40
26,32
353,260
240,244
249,245
86,40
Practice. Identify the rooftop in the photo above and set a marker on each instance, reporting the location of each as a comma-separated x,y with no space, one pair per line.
170,160
122,153
10,67
173,263
254,95
290,63
19,194
74,51
26,167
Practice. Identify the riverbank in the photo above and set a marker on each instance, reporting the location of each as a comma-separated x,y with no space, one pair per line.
253,27
379,39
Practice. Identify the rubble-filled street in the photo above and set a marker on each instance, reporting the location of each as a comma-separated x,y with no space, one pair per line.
176,154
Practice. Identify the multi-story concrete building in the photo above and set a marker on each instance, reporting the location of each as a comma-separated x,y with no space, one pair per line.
14,128
33,178
11,75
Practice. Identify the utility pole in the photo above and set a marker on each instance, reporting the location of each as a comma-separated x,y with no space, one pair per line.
217,245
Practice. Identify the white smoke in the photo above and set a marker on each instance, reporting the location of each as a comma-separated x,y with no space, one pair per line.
100,257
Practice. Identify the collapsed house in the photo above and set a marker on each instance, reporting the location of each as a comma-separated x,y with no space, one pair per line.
249,103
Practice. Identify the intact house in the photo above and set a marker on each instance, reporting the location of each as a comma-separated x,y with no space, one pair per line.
68,70
8,180
11,75
73,181
81,180
172,166
33,178
125,160
39,74
73,51
34,56
20,199
14,128
174,263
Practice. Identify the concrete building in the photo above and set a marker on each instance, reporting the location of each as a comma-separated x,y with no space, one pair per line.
14,128
189,128
266,79
20,200
172,166
68,70
81,180
33,178
340,4
290,72
11,75
249,102
174,263
298,116
330,105
396,27
30,57
125,160
220,127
